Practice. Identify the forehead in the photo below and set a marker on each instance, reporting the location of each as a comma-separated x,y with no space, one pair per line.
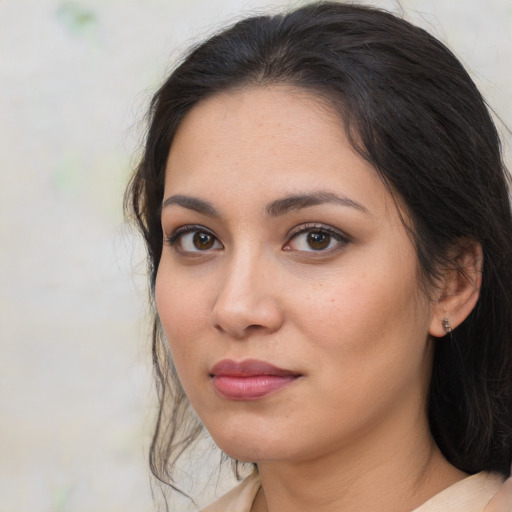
277,140
272,117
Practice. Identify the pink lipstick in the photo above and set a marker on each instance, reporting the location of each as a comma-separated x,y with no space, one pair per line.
249,379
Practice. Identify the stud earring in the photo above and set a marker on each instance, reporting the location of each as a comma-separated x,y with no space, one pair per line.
447,326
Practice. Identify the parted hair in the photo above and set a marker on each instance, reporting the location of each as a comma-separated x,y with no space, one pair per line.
410,109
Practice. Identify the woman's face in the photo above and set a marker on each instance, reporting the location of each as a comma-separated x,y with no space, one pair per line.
288,287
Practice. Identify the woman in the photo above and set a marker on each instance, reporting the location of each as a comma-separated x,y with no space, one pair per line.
329,235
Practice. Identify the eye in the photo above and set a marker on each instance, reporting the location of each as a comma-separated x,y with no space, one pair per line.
315,239
193,239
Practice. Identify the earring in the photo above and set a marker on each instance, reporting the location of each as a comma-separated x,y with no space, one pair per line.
447,326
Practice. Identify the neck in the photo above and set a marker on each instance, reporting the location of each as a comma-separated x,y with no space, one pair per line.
395,469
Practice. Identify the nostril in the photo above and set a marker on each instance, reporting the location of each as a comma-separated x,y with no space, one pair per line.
219,328
255,327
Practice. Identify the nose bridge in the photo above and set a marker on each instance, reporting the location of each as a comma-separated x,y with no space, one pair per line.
245,265
247,299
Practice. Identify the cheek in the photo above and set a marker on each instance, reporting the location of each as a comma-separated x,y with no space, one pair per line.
183,315
370,344
367,317
182,308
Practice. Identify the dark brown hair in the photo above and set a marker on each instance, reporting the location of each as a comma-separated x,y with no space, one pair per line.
412,111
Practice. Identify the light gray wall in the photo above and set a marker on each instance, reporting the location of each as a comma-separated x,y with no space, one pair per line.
75,77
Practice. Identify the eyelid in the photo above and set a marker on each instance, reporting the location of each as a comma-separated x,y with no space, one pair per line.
311,226
181,230
340,236
175,236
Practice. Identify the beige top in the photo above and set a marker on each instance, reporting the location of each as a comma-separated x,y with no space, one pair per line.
469,495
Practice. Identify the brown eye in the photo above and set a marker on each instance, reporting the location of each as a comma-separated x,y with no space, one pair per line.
318,240
189,240
203,241
311,238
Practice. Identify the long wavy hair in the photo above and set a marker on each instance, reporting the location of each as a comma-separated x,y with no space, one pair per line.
412,111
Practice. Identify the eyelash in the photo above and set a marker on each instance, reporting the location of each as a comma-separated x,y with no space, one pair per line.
339,236
184,230
323,229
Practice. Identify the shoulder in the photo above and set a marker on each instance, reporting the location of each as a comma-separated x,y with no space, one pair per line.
239,499
469,495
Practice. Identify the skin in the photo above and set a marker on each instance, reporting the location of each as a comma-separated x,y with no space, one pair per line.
352,319
502,501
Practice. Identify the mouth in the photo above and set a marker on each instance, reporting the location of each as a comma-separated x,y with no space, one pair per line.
249,379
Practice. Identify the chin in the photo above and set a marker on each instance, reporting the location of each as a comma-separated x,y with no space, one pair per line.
254,447
254,454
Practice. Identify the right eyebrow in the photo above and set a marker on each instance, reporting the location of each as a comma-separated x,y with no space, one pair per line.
192,203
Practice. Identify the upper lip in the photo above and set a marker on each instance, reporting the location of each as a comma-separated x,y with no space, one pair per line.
248,368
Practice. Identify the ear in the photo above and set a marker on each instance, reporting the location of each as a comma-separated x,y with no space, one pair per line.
459,288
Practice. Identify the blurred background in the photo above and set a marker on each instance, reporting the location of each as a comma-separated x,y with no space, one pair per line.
76,396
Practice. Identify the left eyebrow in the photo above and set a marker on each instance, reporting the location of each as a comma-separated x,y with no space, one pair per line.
296,202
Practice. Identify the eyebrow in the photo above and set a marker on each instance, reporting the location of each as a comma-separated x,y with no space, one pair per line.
276,208
299,201
192,203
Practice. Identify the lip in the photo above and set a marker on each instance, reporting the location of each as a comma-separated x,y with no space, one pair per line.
249,379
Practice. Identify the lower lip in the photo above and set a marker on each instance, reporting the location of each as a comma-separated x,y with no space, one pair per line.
251,387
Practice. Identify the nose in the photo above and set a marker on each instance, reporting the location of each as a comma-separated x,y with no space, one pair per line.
247,301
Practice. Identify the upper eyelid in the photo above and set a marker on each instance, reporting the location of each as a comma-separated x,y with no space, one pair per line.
296,230
319,226
188,228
